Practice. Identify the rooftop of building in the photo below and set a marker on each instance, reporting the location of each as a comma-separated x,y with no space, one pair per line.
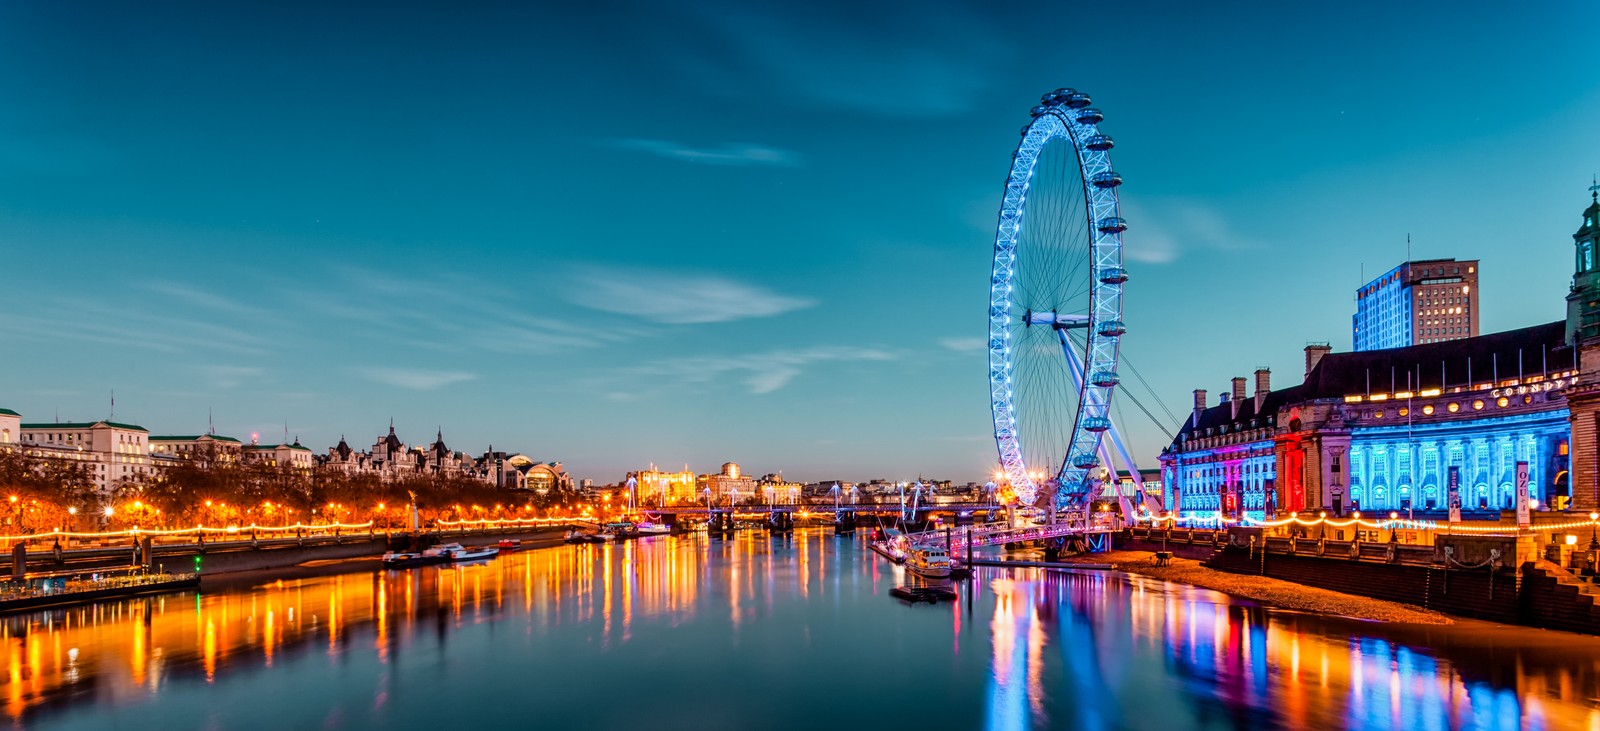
1448,364
9,412
196,438
85,425
296,446
1496,357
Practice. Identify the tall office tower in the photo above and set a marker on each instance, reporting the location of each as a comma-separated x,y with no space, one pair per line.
1417,302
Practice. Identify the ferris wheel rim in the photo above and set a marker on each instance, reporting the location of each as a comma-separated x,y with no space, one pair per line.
1064,116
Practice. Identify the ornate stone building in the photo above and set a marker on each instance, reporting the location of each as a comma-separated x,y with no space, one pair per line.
1583,332
1383,430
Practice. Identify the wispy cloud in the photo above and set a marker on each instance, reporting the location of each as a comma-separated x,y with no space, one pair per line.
415,379
732,154
965,345
196,297
1162,230
133,324
228,376
446,311
893,58
760,373
689,299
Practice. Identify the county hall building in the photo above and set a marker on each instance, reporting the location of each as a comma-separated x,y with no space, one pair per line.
1380,429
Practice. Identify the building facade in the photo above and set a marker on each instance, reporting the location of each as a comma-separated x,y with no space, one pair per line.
1416,303
729,485
660,487
1384,430
10,427
202,448
113,452
292,456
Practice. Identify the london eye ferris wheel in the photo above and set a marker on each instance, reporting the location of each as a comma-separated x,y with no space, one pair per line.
1055,303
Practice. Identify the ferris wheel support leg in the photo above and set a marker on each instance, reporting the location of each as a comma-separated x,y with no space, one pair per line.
1075,367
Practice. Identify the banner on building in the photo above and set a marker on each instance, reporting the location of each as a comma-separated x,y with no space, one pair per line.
1524,515
1453,494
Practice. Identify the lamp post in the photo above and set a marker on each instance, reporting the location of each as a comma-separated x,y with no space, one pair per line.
1393,519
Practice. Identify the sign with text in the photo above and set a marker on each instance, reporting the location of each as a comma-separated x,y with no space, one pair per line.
1454,494
1524,517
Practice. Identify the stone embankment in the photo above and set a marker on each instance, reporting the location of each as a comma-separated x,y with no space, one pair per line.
1269,591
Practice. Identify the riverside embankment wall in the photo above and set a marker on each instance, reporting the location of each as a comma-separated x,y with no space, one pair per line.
240,556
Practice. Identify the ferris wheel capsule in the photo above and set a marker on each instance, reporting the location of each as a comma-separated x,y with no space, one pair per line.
1089,115
1107,179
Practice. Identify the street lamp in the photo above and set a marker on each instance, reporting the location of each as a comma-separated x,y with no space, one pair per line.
1393,519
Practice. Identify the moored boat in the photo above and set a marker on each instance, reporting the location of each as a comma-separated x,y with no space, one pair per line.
441,552
460,553
621,529
401,559
652,528
928,561
509,545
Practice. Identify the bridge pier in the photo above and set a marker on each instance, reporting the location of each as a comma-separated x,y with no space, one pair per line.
780,521
844,523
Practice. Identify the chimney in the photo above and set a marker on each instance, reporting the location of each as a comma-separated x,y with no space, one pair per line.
1199,403
1314,353
1238,388
1263,385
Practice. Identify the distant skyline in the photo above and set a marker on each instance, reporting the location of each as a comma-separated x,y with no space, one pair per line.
621,233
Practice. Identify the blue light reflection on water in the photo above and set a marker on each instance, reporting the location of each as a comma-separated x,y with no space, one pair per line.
761,632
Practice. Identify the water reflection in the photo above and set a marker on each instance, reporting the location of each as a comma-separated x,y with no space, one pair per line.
787,632
1131,652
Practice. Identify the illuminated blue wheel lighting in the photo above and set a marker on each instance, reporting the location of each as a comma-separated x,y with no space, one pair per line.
1058,250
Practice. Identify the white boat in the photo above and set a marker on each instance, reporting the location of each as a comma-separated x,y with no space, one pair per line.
651,528
442,551
469,554
605,535
930,562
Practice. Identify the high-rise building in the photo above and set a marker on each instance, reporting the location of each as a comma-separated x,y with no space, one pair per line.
1417,302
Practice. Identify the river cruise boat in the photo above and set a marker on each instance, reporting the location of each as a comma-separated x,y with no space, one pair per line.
460,553
652,528
442,551
930,562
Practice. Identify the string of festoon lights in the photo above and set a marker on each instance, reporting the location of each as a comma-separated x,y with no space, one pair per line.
487,522
1394,521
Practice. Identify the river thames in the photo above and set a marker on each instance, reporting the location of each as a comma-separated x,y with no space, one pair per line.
764,632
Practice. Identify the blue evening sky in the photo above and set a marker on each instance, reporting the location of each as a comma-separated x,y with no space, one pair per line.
614,234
